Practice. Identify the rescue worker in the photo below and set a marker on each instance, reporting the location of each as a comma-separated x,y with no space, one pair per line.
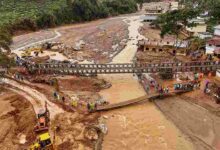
147,88
63,99
167,90
206,86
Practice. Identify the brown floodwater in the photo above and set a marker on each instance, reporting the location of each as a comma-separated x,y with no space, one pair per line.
141,126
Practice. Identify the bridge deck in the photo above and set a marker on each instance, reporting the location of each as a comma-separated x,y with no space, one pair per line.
125,103
137,100
68,68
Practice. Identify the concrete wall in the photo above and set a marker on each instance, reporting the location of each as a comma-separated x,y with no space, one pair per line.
198,28
210,49
217,32
204,36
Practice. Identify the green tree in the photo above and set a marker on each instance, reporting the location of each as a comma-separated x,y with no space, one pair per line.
173,22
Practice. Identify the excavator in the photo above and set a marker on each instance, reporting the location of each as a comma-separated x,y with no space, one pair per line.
43,120
43,143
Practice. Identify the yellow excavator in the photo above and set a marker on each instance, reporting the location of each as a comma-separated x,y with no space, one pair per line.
43,143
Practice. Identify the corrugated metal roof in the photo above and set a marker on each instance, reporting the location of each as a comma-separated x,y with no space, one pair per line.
149,17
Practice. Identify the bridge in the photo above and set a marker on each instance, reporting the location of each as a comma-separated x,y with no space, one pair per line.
125,103
138,100
71,69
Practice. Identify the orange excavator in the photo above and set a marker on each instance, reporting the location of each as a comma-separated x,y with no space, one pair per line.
43,118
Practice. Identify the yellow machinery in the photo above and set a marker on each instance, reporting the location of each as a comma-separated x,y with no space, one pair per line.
28,51
43,143
25,54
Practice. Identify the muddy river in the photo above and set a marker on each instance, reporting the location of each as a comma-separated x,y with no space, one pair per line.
142,126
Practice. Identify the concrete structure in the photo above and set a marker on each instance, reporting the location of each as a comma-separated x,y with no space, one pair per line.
217,31
152,14
200,26
163,45
205,35
149,18
154,11
174,6
212,45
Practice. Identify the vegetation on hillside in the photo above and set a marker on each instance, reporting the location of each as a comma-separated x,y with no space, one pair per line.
173,22
17,15
210,6
5,61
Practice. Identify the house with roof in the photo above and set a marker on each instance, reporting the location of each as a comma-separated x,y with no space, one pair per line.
174,5
163,45
200,26
213,45
152,14
217,30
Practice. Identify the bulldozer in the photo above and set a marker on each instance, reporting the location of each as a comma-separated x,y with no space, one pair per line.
42,120
43,142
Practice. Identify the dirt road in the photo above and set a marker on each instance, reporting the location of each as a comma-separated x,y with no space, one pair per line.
36,98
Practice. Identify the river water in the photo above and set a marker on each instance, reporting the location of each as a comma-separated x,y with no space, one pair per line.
142,126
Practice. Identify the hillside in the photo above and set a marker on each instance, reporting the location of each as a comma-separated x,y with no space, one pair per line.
31,15
12,11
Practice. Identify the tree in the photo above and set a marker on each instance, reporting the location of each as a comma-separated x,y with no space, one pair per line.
173,22
5,39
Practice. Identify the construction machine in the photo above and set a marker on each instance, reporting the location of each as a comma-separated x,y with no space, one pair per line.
42,120
43,143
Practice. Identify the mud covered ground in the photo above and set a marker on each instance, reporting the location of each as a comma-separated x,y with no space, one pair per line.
17,119
102,39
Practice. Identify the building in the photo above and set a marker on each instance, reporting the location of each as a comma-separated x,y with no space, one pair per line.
205,35
152,14
154,11
217,52
212,45
174,6
217,30
163,45
149,18
199,28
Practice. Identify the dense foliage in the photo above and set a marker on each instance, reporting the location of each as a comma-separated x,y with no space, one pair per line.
116,7
210,6
173,22
17,15
5,61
